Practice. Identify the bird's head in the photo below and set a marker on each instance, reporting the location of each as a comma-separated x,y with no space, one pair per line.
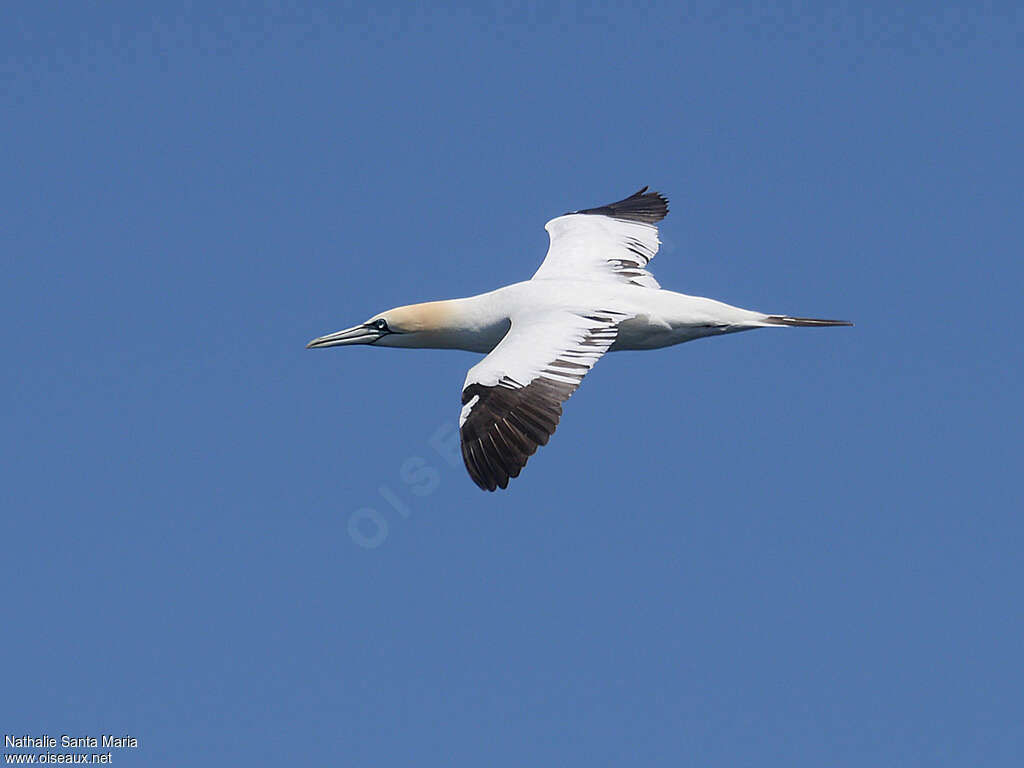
398,327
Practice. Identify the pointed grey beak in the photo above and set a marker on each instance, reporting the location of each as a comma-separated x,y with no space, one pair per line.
360,334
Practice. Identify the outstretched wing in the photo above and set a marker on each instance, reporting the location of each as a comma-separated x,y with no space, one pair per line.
614,242
512,399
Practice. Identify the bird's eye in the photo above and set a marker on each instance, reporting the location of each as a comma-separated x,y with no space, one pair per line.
381,325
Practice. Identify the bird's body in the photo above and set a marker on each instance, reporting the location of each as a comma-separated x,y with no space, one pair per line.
591,295
652,318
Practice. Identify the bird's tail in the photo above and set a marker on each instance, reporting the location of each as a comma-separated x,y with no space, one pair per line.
810,322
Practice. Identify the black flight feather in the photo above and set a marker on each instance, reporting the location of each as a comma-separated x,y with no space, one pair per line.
646,207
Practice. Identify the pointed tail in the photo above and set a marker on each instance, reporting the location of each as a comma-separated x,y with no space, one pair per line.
810,322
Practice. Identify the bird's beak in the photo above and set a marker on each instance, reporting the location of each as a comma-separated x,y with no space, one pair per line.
360,334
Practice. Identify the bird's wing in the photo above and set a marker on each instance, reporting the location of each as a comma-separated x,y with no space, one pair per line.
613,242
512,399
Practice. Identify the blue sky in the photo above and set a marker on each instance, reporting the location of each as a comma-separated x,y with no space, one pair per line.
777,548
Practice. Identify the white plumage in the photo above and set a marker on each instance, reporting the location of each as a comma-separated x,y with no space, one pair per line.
590,247
591,295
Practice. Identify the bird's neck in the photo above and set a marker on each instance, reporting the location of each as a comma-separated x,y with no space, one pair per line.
474,323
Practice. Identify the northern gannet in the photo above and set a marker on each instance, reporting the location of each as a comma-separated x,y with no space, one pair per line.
591,295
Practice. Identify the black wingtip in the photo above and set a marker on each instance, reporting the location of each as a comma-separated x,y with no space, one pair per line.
643,206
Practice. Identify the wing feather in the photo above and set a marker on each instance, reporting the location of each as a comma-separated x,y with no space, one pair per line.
613,242
512,399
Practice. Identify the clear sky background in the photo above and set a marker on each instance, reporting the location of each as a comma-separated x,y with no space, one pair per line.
781,548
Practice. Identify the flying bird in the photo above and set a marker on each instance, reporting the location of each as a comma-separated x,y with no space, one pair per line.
592,294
